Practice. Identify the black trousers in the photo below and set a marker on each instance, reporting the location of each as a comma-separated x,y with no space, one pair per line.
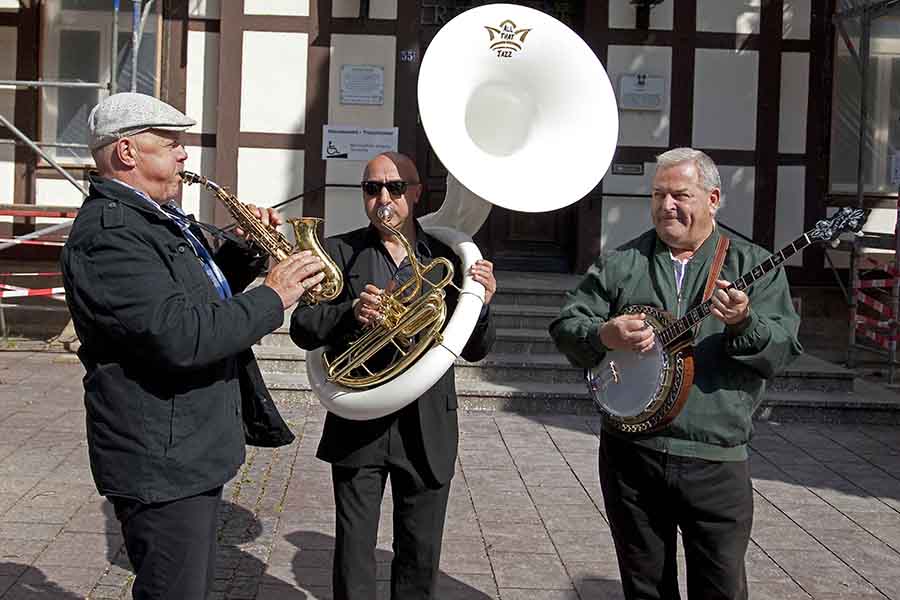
649,495
420,505
171,545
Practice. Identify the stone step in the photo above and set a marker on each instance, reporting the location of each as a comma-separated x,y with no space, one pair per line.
534,289
806,374
872,404
505,316
509,340
522,316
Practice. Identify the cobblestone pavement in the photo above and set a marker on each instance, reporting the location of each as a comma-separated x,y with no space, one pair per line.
526,519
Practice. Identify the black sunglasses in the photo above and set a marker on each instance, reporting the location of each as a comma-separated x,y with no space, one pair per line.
394,188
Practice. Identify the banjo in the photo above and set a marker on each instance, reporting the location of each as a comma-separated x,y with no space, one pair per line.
643,392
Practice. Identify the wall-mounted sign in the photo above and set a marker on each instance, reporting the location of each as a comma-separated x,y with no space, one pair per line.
362,84
641,92
628,168
347,142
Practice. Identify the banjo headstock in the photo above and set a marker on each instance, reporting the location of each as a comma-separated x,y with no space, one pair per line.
845,220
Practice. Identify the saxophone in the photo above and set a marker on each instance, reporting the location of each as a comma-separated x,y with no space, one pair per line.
274,243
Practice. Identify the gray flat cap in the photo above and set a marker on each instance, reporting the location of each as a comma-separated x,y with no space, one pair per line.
129,113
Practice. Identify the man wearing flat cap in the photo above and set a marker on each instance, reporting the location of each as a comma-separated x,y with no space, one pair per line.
165,332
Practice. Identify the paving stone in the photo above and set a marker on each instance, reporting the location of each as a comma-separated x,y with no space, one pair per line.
529,570
827,510
516,537
29,531
519,594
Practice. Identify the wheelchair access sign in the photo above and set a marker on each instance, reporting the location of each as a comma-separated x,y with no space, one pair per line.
347,142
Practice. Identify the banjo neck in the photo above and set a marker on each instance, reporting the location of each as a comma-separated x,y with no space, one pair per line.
674,334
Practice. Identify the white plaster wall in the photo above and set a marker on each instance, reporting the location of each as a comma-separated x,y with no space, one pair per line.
287,8
267,176
202,89
728,16
622,15
206,9
794,102
378,9
362,50
273,89
642,127
623,219
725,92
797,16
9,5
56,192
344,211
791,196
196,199
738,184
7,177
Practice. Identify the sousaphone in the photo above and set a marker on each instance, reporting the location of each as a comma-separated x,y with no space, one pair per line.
522,114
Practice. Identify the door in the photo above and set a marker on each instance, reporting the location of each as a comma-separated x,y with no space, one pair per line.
511,240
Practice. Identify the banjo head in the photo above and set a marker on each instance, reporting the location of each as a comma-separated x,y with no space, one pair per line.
632,389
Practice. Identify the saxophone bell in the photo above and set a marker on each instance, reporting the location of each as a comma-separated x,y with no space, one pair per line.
273,243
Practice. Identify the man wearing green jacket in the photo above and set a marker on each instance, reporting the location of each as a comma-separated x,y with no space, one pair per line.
693,474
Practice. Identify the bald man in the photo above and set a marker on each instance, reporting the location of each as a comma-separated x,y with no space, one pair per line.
416,446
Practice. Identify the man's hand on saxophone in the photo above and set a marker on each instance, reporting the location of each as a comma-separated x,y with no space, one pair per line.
269,217
295,276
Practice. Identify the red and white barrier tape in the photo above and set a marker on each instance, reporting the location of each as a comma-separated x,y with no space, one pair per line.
879,307
863,320
875,283
36,292
885,341
889,269
17,242
29,274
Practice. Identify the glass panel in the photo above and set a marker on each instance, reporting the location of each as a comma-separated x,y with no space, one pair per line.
146,79
79,61
104,5
881,137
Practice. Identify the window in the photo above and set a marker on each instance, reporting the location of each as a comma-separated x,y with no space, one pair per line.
881,139
76,39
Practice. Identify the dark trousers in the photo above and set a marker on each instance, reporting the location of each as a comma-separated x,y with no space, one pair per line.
418,521
649,495
171,545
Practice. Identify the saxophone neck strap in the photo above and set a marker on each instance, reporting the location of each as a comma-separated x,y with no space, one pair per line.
223,235
716,267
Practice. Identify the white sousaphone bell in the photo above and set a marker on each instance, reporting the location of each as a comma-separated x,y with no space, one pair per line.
522,114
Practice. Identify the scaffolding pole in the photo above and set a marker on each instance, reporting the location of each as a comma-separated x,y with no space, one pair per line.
27,141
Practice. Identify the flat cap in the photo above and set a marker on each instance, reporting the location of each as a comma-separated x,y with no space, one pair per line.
129,113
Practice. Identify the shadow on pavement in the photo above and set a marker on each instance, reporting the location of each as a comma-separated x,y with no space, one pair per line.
313,561
24,581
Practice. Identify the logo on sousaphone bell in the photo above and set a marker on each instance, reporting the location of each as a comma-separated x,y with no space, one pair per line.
506,39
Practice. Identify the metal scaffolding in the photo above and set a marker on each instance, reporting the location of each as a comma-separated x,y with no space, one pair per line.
140,14
882,331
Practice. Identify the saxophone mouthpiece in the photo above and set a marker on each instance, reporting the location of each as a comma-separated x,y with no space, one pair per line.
385,213
189,177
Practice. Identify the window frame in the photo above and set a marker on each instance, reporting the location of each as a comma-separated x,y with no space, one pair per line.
54,20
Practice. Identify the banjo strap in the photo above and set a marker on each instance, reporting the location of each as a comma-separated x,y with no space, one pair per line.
716,267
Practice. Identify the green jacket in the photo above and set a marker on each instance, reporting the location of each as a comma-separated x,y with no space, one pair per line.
730,368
